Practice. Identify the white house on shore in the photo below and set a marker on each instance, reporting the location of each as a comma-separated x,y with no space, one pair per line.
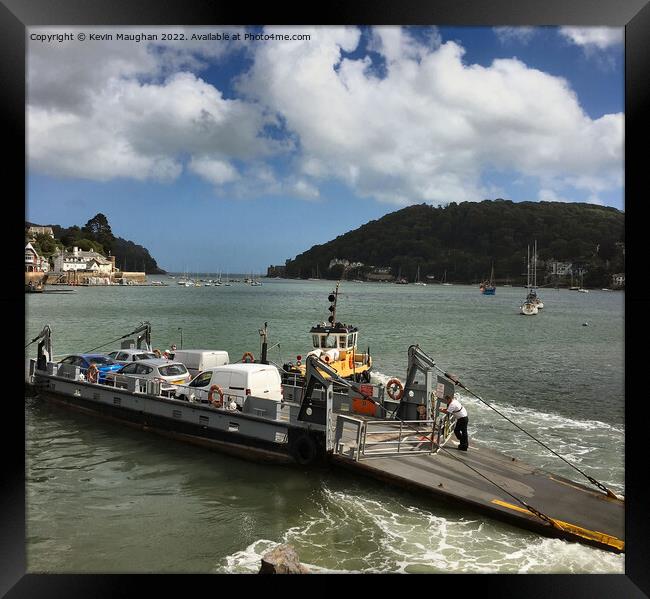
34,262
561,269
38,230
83,261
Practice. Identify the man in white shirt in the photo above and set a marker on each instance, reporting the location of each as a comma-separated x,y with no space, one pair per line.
456,409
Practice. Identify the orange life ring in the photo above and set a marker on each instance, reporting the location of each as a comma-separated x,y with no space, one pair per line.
250,356
351,362
390,389
217,403
91,373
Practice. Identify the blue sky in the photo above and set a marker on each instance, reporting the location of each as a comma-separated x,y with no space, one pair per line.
234,155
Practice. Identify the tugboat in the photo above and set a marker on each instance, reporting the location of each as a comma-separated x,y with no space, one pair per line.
336,344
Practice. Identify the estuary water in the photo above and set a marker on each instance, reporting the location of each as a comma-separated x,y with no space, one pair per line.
103,498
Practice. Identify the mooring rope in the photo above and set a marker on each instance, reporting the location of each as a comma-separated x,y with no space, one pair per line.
530,508
113,341
34,340
592,480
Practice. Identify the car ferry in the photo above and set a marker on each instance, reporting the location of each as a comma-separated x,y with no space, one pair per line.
335,344
397,433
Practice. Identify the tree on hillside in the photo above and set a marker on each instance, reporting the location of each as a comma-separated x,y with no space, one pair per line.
98,229
88,245
466,239
45,245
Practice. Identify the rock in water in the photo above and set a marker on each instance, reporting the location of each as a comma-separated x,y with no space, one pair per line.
282,560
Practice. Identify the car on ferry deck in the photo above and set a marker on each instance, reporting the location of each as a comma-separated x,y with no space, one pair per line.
105,364
126,356
236,381
168,373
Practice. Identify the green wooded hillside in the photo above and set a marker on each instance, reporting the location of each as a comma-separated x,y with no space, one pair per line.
96,235
465,239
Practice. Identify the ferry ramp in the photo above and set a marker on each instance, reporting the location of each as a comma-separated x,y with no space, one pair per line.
481,479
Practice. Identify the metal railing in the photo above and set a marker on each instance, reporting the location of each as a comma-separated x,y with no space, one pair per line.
382,437
379,438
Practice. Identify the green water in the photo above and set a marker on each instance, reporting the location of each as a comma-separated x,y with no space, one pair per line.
104,498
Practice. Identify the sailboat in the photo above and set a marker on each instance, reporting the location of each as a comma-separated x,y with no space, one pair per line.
444,279
528,308
317,277
417,279
488,287
227,283
581,289
532,293
400,280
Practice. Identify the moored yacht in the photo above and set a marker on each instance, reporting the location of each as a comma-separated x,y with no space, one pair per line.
529,307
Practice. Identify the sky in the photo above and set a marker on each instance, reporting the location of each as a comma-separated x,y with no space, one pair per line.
234,148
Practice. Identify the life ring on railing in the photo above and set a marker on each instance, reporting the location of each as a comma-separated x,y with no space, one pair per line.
351,361
248,357
217,403
390,388
92,373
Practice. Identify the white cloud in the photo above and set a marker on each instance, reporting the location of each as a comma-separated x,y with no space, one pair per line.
395,43
595,37
213,170
520,35
65,144
426,129
122,127
433,124
304,189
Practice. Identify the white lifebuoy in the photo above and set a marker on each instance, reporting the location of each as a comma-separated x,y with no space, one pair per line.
390,388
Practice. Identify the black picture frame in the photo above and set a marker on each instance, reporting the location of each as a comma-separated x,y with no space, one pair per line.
16,15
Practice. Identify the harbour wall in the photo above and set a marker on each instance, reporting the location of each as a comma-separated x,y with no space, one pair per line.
73,277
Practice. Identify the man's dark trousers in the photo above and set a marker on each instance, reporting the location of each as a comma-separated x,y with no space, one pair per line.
461,432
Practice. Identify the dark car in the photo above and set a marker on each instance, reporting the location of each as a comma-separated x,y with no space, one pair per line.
103,362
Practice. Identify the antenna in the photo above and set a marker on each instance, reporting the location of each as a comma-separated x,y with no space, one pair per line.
332,298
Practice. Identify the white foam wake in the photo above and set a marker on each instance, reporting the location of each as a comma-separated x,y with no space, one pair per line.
353,533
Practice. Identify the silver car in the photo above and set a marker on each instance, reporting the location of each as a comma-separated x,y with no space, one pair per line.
126,356
166,372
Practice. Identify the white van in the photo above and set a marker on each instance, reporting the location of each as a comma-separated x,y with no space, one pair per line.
237,381
198,360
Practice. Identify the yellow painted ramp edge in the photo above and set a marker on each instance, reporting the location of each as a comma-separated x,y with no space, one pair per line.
585,533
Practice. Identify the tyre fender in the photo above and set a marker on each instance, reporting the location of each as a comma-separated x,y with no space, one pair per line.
304,449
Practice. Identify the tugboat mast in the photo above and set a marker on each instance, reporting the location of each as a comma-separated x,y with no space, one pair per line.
333,297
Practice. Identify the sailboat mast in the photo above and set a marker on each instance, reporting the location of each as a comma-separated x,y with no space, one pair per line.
535,264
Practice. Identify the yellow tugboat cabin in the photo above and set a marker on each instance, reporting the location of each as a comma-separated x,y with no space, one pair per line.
336,343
